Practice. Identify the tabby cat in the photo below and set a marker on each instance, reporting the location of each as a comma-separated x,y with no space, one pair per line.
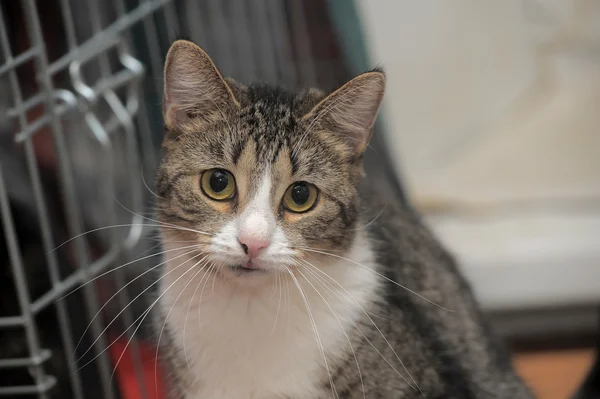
287,275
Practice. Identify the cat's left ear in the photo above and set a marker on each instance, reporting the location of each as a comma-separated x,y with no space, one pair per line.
350,111
194,87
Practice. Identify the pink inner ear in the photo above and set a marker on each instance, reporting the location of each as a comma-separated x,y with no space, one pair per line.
172,117
193,85
353,108
167,106
172,113
166,100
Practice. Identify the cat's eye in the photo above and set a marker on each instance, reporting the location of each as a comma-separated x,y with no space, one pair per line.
300,197
218,184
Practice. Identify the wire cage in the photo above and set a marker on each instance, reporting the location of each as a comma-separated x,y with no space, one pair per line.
80,131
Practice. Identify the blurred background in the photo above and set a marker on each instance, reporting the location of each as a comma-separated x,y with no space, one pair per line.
490,129
493,125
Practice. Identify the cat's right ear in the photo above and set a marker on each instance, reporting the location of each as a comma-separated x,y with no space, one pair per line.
349,112
193,88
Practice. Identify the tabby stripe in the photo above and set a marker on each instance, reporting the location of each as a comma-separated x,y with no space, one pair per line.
175,216
166,188
182,204
451,371
341,368
237,151
295,162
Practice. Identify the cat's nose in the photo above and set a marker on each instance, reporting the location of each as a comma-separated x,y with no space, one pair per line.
253,245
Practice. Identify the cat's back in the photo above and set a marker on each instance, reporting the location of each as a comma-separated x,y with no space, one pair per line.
435,335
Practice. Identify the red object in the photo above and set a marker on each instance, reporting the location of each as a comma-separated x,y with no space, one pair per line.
125,371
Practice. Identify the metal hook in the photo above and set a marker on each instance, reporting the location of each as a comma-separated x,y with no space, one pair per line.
80,86
125,118
138,70
70,103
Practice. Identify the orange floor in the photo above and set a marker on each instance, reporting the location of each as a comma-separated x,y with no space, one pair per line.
554,375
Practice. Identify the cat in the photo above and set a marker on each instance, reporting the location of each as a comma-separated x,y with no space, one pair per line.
287,275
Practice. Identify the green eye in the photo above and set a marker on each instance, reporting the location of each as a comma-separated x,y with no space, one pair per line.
218,184
300,197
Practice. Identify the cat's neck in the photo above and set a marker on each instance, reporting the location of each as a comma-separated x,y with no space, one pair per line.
264,336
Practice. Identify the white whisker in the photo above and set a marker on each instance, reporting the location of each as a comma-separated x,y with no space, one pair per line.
341,326
123,310
114,295
122,266
203,265
314,326
188,312
213,284
289,301
142,317
339,100
162,223
378,274
337,292
201,295
274,285
148,188
364,227
350,296
278,283
174,227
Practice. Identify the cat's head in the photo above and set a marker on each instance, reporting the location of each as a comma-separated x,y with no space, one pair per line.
255,174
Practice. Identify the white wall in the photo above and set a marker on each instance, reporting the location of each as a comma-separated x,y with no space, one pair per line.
494,114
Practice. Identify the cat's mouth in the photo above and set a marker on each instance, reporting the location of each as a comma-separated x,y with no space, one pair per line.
240,270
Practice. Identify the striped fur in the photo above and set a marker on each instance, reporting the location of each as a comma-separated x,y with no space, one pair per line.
393,316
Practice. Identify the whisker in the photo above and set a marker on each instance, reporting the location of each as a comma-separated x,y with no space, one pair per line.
279,284
152,248
200,262
130,302
287,300
170,241
314,326
188,312
274,285
93,231
161,223
175,227
148,188
140,324
122,266
201,295
340,100
304,247
213,284
142,317
341,326
115,294
364,227
380,275
350,296
338,294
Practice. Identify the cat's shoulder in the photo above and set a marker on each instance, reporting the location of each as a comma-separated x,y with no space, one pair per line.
400,235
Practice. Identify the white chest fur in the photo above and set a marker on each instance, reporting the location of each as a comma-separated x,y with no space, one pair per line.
259,343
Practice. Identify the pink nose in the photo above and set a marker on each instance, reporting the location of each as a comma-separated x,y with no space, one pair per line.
252,246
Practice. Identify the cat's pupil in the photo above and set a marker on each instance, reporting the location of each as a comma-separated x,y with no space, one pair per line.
300,193
219,181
